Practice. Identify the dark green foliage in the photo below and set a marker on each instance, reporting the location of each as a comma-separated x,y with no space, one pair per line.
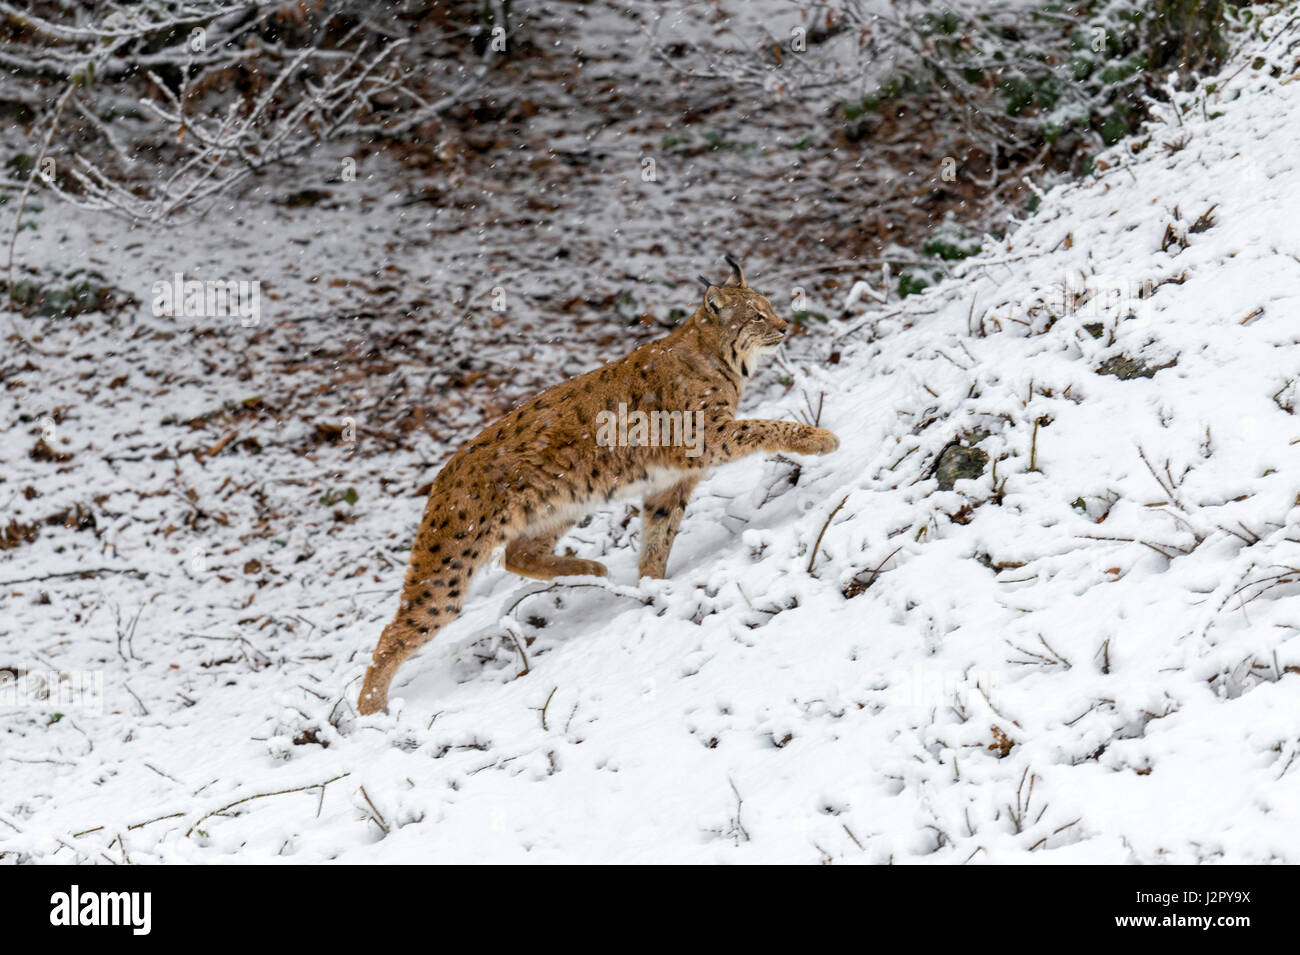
911,281
67,295
1065,75
346,495
1186,34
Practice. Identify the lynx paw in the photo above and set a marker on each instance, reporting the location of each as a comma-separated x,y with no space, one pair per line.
814,441
372,698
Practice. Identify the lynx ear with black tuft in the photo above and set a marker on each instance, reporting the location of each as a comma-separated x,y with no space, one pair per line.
737,273
705,282
711,302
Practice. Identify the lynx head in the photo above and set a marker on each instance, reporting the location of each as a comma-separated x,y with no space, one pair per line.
739,322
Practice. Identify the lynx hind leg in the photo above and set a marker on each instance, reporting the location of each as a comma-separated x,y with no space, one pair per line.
533,555
437,579
661,516
397,644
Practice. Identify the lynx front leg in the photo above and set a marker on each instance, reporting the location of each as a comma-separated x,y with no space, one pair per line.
661,515
534,556
736,439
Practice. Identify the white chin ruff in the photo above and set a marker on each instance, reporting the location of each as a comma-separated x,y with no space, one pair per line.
755,357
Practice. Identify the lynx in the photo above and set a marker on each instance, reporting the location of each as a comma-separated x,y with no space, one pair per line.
523,482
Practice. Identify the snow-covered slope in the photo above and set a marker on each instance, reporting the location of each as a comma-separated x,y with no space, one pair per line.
1088,653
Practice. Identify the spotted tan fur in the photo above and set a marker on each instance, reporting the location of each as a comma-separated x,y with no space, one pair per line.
533,473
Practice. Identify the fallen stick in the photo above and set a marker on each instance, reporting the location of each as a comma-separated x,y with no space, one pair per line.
282,792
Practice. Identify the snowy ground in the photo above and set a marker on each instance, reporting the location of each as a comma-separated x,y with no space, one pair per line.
1087,654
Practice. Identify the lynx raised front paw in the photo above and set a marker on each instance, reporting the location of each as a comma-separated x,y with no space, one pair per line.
812,440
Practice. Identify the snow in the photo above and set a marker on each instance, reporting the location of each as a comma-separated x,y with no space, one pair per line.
1092,660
